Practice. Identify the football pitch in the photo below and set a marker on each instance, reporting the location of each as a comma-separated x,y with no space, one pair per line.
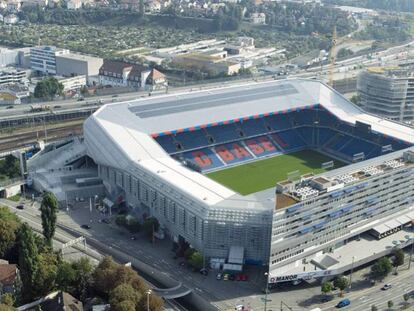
263,174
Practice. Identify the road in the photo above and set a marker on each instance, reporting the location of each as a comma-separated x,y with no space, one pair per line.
31,215
363,299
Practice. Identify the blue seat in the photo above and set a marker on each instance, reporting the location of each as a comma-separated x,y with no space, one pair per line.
233,152
261,146
167,142
192,140
224,133
253,127
204,158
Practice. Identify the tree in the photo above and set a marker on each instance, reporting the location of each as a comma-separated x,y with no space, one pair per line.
4,307
150,226
390,304
326,287
189,252
341,282
355,99
155,303
7,237
381,268
84,90
65,276
46,273
406,297
398,258
7,299
28,260
49,209
40,90
196,260
125,305
103,277
124,292
83,277
9,226
374,308
48,88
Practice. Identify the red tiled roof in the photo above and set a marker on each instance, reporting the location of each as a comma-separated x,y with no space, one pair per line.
155,74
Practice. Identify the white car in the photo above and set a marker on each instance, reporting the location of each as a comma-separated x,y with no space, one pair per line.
386,287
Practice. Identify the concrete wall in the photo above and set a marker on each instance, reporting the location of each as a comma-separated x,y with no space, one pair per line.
86,66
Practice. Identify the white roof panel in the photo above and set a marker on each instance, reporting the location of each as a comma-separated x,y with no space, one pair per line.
118,134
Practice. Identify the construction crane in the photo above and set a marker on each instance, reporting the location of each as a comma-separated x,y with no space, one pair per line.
332,57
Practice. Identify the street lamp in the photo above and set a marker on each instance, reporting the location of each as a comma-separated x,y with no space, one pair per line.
352,270
148,292
410,239
266,290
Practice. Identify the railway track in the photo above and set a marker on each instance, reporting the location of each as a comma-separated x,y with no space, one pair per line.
20,140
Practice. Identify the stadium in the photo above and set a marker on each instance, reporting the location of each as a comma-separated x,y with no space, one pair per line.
289,173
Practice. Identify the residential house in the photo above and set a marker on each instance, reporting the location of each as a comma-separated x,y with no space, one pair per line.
74,4
13,94
258,18
14,6
122,74
56,301
10,19
10,281
156,80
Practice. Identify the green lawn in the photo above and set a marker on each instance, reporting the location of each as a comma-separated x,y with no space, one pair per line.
263,174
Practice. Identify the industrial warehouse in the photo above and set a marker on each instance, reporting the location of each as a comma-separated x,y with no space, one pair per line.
289,173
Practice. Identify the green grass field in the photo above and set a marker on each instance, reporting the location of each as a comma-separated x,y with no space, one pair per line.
263,174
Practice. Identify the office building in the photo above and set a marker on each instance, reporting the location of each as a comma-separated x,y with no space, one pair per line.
72,64
43,59
388,93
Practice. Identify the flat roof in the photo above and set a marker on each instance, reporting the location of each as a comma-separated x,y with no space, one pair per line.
211,100
126,129
79,56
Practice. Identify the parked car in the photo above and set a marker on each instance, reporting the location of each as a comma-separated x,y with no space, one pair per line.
231,277
182,263
386,287
219,276
204,271
225,277
87,227
20,206
106,220
343,303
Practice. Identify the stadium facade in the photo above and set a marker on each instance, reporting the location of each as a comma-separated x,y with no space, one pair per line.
153,155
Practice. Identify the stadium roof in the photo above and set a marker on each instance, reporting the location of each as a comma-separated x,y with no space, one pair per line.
119,135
